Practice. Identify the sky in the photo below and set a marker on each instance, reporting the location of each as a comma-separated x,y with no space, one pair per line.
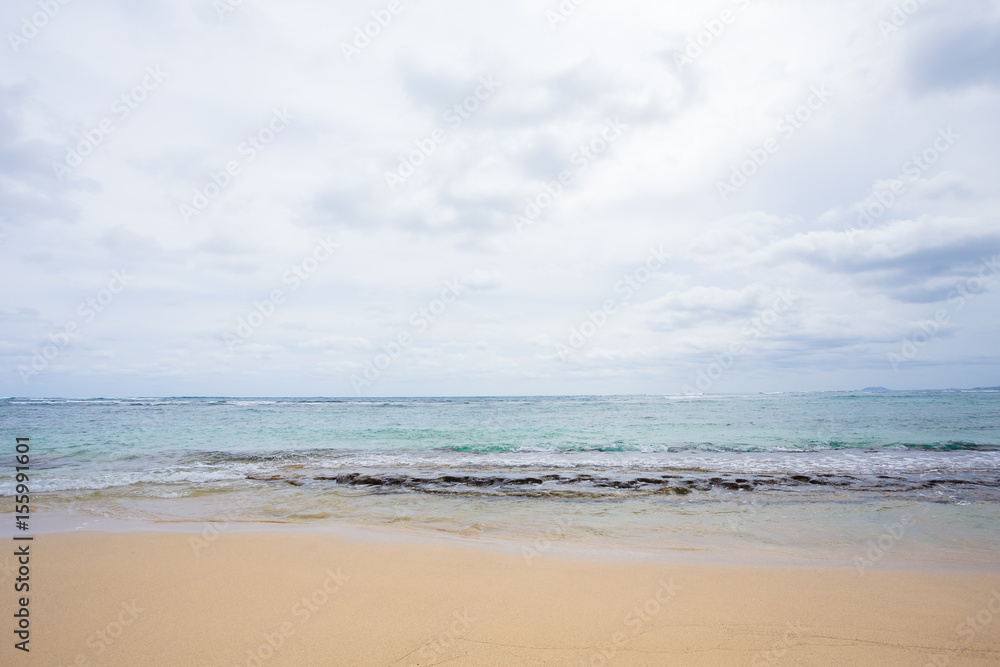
389,198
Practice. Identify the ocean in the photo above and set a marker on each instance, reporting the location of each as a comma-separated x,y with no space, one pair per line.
821,474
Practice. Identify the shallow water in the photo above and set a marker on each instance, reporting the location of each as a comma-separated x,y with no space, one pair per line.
823,473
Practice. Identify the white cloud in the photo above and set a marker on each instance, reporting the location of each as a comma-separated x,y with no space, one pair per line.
793,225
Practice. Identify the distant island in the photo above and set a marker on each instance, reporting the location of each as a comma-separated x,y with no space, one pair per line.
874,389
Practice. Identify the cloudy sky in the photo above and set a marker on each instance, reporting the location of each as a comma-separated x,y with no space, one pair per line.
431,197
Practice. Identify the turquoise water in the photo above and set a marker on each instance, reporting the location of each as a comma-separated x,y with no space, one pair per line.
631,469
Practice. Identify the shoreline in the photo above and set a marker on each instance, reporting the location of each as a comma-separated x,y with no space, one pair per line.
738,549
291,598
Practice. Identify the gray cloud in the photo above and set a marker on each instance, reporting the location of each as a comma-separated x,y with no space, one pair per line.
791,226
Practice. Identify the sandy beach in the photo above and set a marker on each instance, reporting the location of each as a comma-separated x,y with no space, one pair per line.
311,599
408,333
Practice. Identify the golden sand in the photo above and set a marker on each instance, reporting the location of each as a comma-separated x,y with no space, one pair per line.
293,599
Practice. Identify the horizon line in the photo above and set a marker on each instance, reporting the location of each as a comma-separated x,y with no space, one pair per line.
869,390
